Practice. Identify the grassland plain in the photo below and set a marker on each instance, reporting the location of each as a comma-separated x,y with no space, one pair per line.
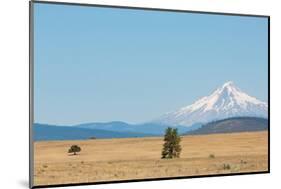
140,158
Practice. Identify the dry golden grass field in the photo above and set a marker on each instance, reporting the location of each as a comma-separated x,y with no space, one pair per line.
139,158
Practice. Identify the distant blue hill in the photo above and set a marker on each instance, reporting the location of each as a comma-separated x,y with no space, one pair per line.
147,128
53,132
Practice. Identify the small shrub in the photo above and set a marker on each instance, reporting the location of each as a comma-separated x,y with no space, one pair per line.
211,156
226,166
243,162
74,149
45,166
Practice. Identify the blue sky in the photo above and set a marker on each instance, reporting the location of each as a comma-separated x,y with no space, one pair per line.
104,64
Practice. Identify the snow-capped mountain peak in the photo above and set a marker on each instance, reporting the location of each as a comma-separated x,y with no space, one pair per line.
226,101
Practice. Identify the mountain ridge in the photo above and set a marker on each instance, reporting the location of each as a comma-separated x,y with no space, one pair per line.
231,125
146,128
52,132
227,101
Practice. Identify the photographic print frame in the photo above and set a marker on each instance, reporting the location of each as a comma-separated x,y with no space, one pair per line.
32,63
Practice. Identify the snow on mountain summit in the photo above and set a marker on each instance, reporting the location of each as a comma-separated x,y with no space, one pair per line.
227,101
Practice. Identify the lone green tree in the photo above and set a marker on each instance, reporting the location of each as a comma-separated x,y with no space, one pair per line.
171,147
74,149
